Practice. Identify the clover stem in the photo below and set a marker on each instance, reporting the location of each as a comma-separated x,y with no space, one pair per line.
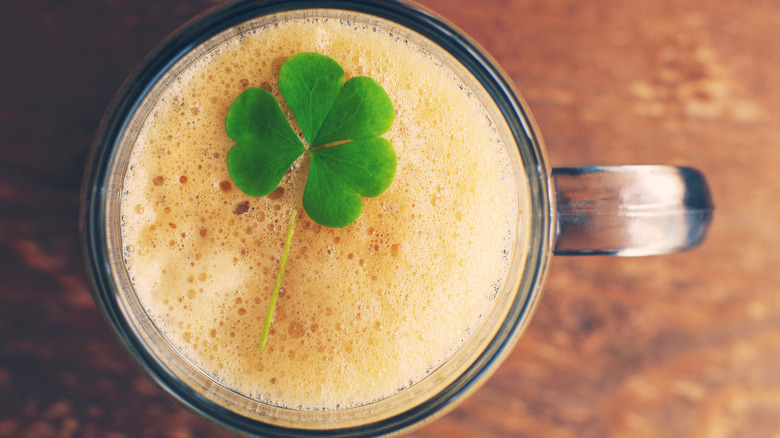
272,305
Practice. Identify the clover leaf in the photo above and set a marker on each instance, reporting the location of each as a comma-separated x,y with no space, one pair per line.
267,145
341,124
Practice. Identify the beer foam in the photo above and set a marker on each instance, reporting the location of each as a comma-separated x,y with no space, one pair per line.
364,310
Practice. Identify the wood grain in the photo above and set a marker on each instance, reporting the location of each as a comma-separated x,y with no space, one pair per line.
680,345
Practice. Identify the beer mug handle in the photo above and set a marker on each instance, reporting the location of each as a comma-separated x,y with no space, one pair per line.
630,210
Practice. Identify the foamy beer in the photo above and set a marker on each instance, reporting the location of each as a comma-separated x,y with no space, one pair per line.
367,309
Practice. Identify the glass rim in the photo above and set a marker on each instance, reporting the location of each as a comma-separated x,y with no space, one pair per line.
211,22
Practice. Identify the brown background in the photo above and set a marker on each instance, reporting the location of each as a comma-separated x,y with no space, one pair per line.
685,345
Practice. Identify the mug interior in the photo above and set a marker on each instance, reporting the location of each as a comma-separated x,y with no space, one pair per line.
174,372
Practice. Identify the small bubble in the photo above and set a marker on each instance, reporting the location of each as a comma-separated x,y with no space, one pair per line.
242,208
295,330
276,194
158,180
182,179
225,186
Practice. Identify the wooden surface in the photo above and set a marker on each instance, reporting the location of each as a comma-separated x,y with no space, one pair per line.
686,345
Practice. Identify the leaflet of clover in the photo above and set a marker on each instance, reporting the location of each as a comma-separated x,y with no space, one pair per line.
266,144
342,124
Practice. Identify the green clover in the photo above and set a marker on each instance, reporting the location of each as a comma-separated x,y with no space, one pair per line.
341,124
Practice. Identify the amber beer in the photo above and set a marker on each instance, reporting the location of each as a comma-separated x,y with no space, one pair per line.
366,310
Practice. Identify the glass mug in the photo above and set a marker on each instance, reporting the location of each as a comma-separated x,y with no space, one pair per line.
616,210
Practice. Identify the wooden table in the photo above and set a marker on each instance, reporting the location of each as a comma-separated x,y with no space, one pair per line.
685,345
